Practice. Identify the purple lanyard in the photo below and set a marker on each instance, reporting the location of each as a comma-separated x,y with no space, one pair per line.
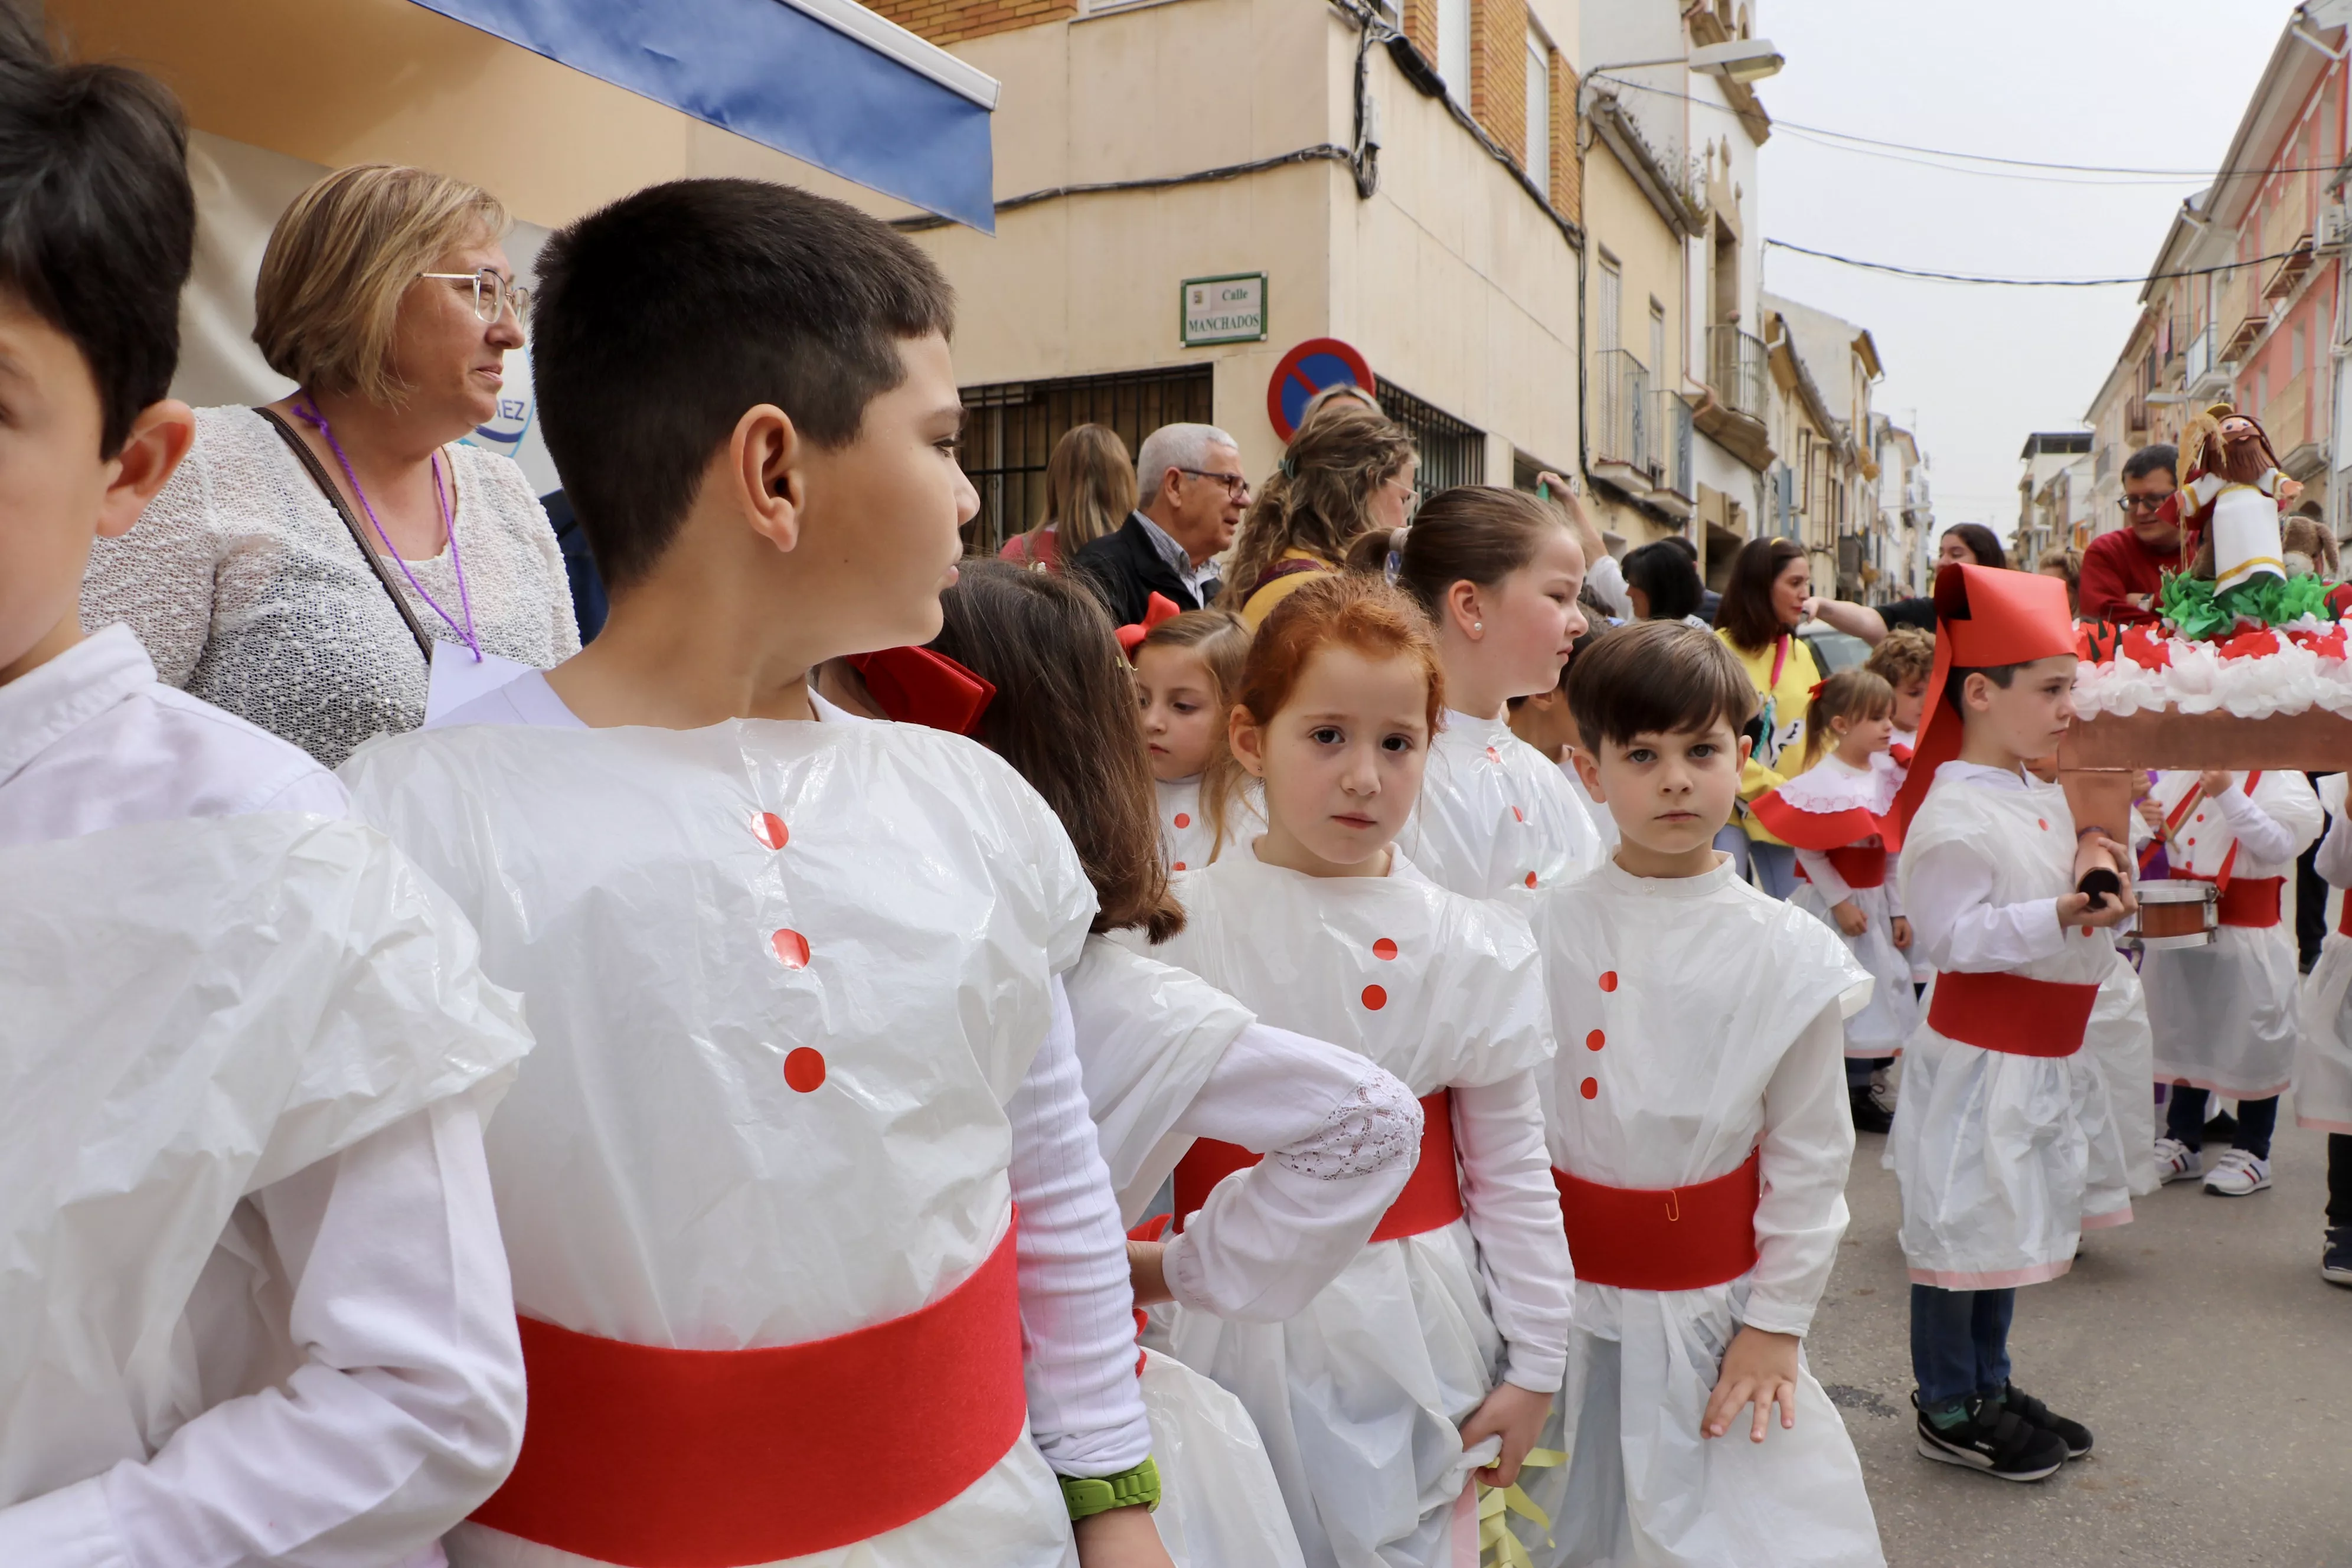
308,412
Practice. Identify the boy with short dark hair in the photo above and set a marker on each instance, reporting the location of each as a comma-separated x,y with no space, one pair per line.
803,1051
2001,1107
1696,1120
246,1055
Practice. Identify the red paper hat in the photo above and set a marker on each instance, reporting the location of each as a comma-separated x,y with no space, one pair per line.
916,686
1985,617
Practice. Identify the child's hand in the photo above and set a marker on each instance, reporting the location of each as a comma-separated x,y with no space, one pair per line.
1122,1538
1902,934
2075,909
2151,813
2216,783
1759,1369
1514,1414
1145,1273
2097,852
1850,918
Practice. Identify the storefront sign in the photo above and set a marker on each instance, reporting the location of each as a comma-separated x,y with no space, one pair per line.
1230,309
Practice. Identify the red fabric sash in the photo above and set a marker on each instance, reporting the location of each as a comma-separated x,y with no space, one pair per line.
2344,918
2004,1012
1431,1198
1662,1238
2249,902
1861,868
654,1457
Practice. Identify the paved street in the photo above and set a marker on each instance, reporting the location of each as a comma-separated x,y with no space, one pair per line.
2199,1344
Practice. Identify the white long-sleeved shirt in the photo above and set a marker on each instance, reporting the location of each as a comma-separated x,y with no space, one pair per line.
1955,924
1834,889
404,1408
1085,1410
2334,861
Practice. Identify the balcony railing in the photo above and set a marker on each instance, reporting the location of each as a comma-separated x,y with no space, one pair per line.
1622,411
1736,369
2201,356
1673,445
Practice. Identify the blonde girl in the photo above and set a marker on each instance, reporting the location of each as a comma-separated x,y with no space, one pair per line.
1186,672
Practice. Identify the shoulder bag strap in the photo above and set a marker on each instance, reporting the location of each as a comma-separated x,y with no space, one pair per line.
318,472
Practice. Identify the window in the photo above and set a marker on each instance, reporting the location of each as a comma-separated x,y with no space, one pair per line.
1608,328
1010,430
1452,453
1538,158
1454,47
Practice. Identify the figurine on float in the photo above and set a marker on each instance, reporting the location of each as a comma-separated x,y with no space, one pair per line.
2231,492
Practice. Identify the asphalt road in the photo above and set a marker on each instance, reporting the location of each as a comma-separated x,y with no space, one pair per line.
2199,1344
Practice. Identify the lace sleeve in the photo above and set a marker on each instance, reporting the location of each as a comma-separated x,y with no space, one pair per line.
158,578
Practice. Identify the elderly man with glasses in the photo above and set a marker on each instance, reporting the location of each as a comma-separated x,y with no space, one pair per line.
2123,570
1193,492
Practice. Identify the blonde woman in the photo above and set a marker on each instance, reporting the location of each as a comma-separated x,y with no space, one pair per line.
1089,490
302,563
1348,470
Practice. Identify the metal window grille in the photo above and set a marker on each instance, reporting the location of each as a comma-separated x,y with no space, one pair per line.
1010,430
1452,453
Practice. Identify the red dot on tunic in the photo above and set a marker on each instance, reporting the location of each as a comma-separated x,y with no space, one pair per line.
804,1069
1493,756
1384,948
1519,815
1179,865
1609,980
1590,1087
1595,1040
769,830
1531,879
2086,930
1183,820
1375,997
792,949
2043,822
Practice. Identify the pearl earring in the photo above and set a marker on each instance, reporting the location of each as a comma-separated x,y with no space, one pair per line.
1477,625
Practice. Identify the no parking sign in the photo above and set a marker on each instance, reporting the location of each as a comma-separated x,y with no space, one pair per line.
1307,370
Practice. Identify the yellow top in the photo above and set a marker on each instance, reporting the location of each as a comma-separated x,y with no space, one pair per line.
1784,724
1261,603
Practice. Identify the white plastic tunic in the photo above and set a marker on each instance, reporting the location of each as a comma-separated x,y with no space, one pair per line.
1893,1011
200,1009
785,978
1991,1148
2224,1016
1700,1020
2122,1049
1359,1396
1495,819
2322,1063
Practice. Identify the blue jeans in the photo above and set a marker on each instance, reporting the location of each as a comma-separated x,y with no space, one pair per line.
1959,1341
2184,1118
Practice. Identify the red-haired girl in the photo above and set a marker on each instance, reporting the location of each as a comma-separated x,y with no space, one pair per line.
1437,1351
1497,572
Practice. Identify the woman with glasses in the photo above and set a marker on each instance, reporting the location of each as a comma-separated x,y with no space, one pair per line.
306,560
1346,472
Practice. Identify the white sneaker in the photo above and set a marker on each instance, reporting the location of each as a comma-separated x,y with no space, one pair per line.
2176,1161
2237,1173
1881,1088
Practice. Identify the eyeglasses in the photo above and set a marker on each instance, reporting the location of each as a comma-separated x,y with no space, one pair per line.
494,292
2142,503
1236,486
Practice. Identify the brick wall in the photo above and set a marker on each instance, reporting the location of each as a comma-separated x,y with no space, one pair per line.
954,21
1420,27
1567,174
1499,72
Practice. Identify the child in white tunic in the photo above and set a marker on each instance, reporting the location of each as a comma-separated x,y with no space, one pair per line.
793,978
1186,668
2224,1016
1834,814
2000,1106
1699,1136
2323,1065
1437,1350
1497,572
1169,1059
245,1053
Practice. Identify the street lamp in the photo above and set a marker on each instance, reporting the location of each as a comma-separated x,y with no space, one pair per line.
1742,60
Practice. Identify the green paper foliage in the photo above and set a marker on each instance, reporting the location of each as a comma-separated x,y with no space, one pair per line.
2198,613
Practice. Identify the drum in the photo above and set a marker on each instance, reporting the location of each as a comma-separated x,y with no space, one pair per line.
2178,913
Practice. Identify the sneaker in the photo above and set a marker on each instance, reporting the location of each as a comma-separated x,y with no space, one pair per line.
2236,1174
2038,1415
2176,1161
1995,1441
1867,1117
1883,1090
2335,1263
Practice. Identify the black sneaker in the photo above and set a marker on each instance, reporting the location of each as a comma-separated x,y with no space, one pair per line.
2335,1263
1994,1441
2038,1415
1867,1117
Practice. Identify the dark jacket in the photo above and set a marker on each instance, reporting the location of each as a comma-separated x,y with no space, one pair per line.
1125,569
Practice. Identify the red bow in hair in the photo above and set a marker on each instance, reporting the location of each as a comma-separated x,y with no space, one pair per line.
1158,608
916,686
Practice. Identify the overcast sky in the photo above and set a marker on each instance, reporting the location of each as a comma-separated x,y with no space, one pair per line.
1972,370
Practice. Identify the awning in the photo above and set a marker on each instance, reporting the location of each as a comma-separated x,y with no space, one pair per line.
827,82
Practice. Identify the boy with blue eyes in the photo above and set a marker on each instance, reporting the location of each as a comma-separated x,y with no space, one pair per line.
1698,1131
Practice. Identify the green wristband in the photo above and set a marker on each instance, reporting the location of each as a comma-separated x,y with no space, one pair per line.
1086,1496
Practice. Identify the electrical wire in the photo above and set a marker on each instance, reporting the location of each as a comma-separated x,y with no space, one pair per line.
1986,279
1802,134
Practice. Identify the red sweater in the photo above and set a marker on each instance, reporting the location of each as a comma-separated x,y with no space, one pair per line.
2114,564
